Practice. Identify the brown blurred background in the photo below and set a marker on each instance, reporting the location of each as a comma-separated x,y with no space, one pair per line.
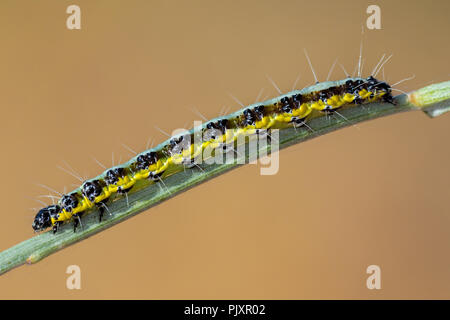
378,195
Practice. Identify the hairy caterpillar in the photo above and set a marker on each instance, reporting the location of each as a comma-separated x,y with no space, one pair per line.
295,108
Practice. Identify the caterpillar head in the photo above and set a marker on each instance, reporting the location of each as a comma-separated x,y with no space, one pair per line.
43,218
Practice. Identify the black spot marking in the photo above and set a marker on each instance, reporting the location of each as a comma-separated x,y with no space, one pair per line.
69,202
143,161
113,175
92,189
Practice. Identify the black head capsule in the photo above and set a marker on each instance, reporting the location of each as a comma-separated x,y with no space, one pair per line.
69,202
389,98
383,86
43,219
92,189
376,86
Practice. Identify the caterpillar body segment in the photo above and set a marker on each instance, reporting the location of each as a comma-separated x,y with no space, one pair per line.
295,108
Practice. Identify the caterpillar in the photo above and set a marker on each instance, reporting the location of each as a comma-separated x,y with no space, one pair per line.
295,108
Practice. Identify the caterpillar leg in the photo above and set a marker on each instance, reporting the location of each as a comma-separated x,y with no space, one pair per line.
191,163
262,133
188,163
55,227
76,222
389,99
101,206
300,122
157,178
125,192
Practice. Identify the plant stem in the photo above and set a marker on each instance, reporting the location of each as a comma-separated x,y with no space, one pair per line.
434,100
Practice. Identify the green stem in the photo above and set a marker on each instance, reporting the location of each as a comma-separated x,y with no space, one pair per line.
434,100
